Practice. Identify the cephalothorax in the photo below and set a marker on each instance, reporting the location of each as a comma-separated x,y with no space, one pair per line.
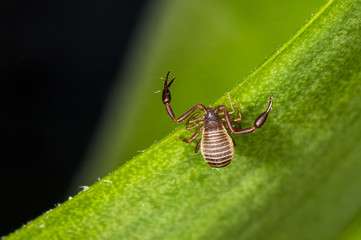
217,146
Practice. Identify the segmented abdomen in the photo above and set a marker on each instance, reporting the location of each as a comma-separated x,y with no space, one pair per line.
217,148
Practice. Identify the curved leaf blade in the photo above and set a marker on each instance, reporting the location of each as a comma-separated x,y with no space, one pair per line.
296,178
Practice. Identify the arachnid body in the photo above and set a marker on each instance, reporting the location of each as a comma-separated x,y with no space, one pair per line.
217,146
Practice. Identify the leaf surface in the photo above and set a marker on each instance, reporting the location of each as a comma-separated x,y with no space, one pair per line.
298,177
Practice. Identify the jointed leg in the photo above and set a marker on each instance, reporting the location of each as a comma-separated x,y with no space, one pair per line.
198,145
195,135
233,111
195,125
232,121
230,102
167,98
192,119
239,119
257,124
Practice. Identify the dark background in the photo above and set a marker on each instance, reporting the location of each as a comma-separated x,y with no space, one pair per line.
58,63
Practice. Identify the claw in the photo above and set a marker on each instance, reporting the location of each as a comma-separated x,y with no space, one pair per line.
263,117
166,85
171,82
166,94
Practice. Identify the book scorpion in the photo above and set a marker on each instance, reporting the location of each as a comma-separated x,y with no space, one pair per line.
217,146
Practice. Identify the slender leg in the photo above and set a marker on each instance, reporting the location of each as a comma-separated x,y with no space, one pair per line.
198,145
195,125
230,102
192,119
233,111
195,120
167,98
195,135
257,124
239,119
232,120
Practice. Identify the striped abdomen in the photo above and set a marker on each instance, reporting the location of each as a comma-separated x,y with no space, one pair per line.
217,147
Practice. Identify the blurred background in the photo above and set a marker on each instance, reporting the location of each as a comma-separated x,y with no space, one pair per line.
81,81
58,63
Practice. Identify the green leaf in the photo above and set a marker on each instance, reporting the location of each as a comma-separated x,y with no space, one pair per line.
298,177
353,230
209,46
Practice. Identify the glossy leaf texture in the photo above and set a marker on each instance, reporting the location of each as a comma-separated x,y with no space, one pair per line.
298,177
